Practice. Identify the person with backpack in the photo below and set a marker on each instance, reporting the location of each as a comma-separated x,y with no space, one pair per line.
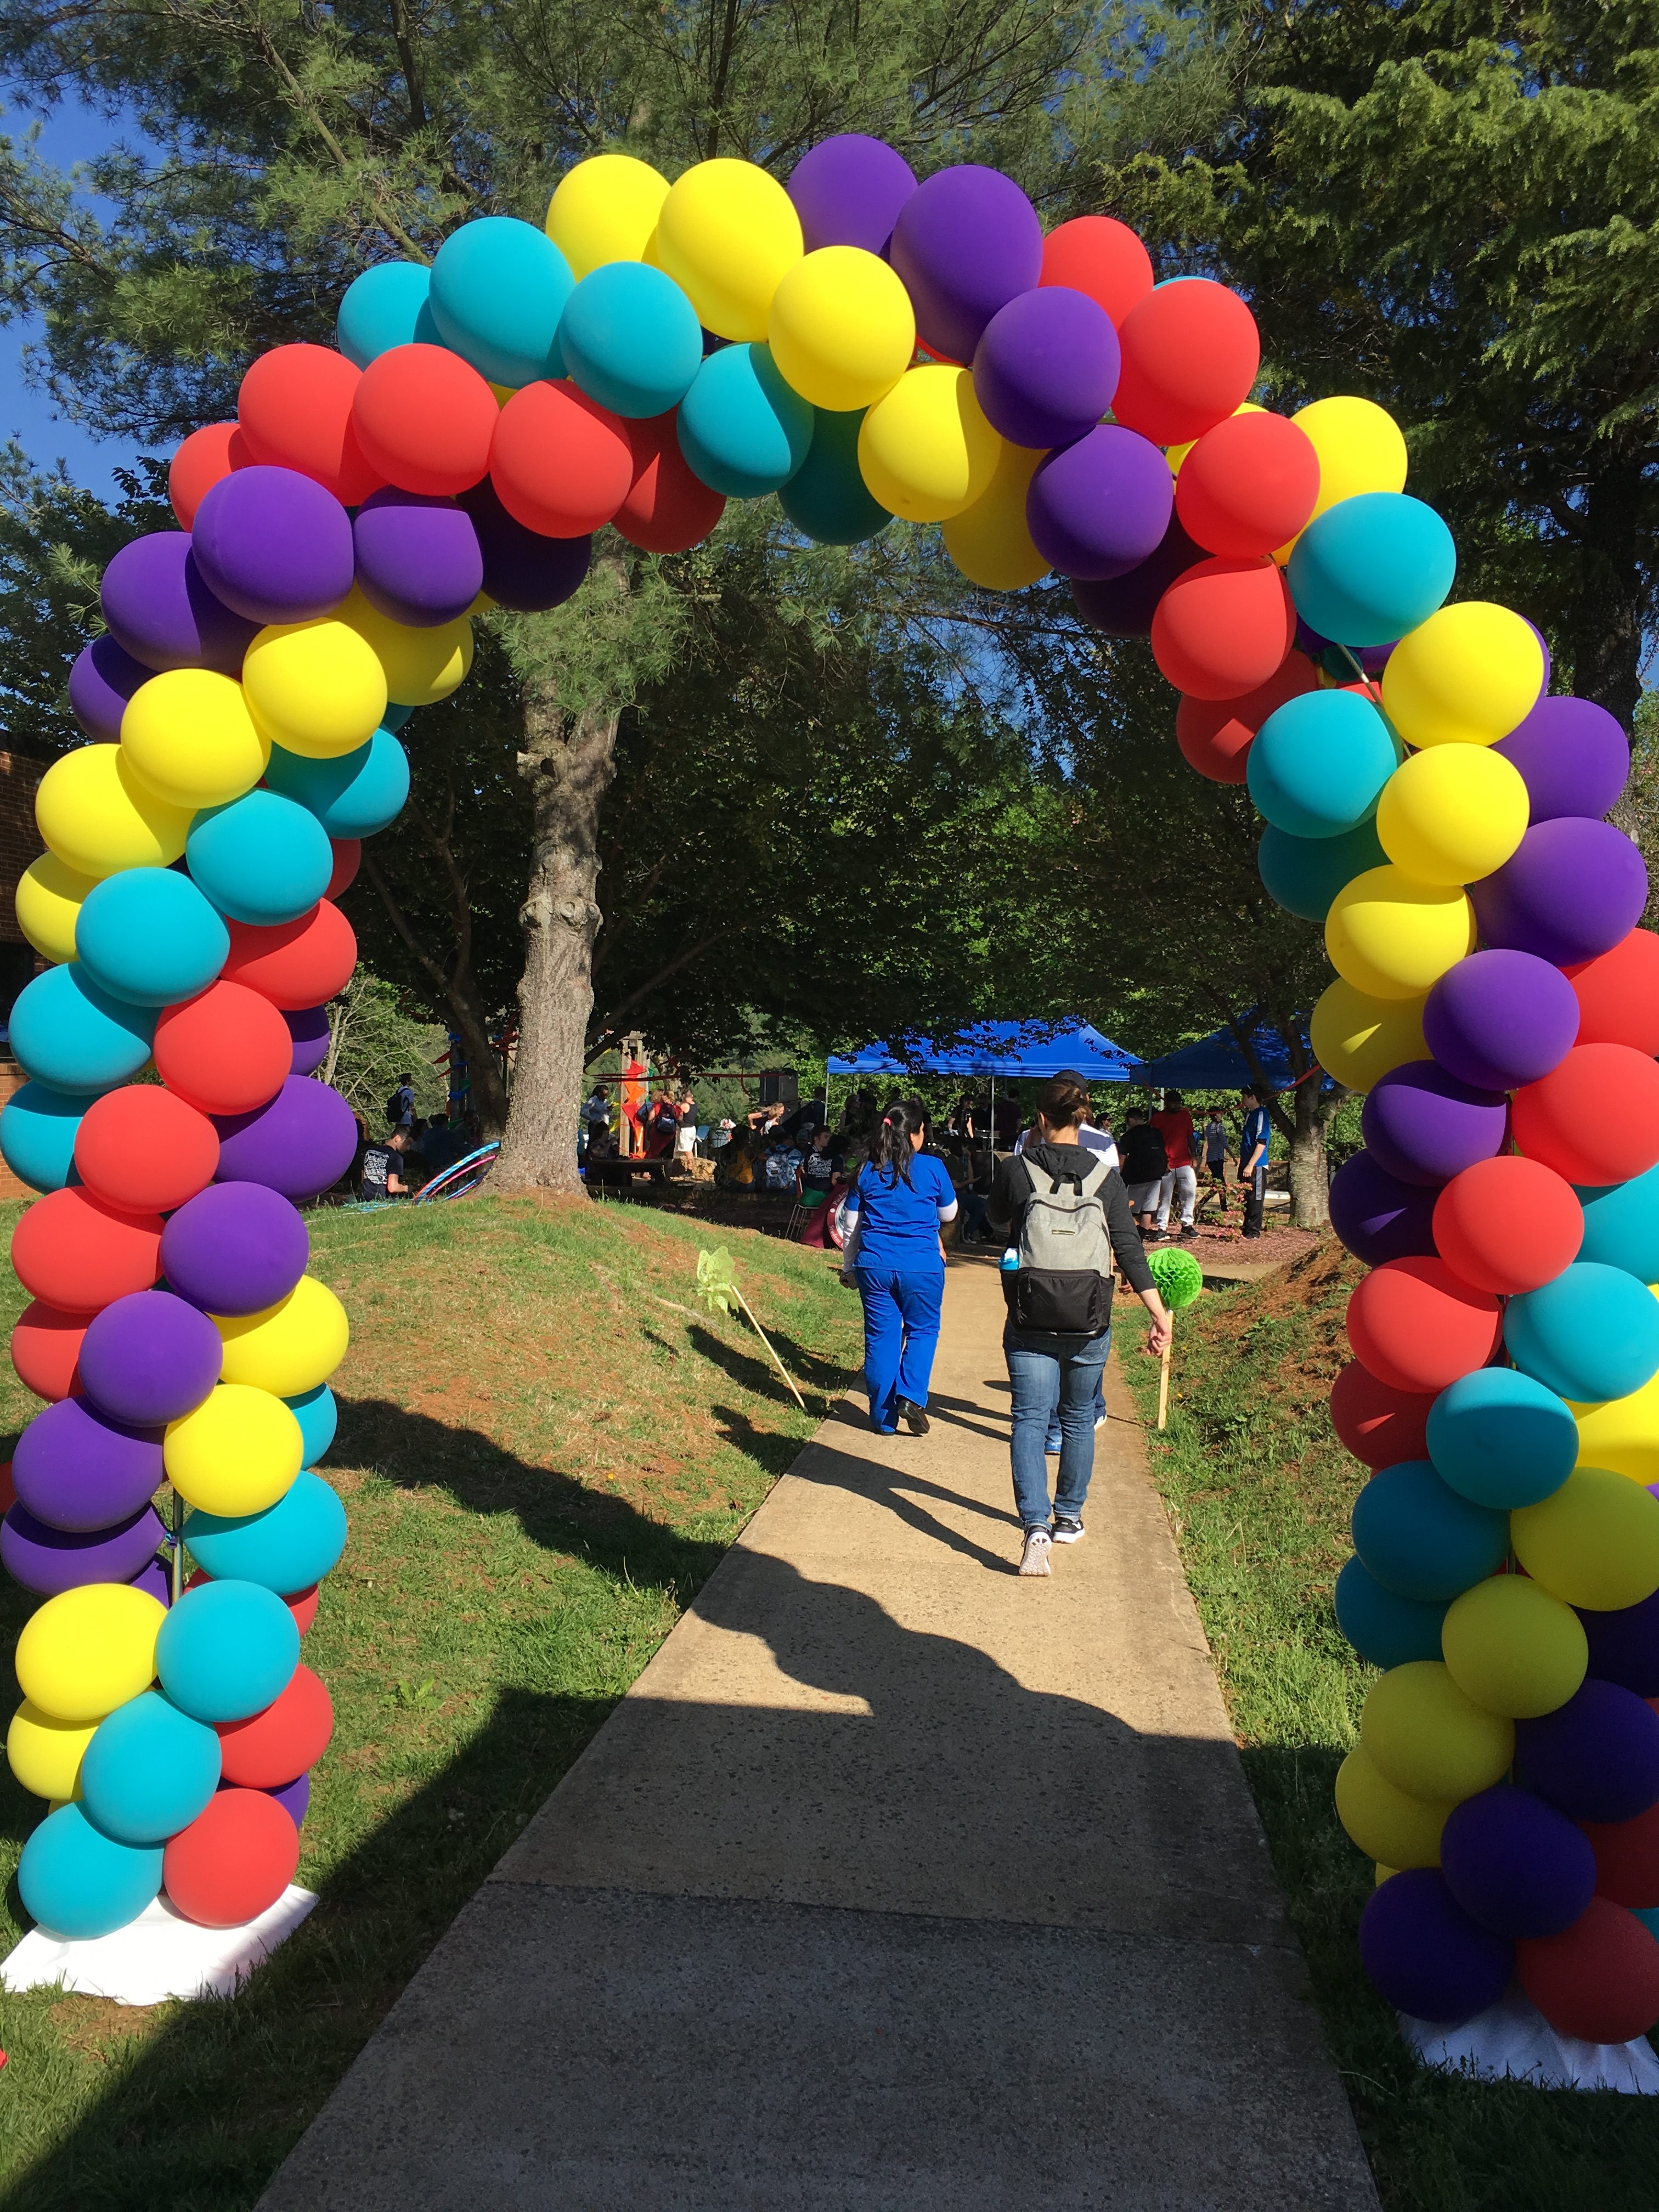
899,1200
1146,1163
400,1107
1065,1213
1253,1141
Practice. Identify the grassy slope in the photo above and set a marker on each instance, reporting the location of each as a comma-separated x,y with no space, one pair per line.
1259,1491
542,1464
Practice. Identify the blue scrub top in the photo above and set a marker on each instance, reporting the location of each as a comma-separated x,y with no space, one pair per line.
898,1222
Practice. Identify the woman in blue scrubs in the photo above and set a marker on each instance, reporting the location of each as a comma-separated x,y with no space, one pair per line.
899,1198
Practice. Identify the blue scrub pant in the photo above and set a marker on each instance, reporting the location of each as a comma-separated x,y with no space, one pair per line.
901,1330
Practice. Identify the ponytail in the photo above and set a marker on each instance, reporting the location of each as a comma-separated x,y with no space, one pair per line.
892,1150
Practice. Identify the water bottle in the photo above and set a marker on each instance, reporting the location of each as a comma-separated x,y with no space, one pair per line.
1010,1262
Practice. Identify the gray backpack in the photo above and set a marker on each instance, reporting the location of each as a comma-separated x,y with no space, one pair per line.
1064,1281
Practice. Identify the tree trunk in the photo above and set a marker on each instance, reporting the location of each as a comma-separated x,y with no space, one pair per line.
1310,1183
1605,622
458,990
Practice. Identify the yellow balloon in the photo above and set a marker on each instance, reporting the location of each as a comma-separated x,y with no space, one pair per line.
1593,1542
1388,1824
291,1346
48,901
315,688
420,667
1394,938
1513,1648
926,450
842,328
237,1453
1623,1434
1176,454
1357,1039
43,1754
726,232
1466,676
989,541
1453,814
1429,1738
605,209
192,739
1384,1874
87,1650
1359,448
98,817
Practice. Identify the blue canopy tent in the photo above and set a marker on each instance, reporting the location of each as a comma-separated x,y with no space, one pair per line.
1034,1050
1217,1063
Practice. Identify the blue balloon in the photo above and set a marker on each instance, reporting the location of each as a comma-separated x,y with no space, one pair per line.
741,428
72,1034
261,860
1501,1439
1593,1333
1621,1225
318,1418
78,1882
37,1128
1304,874
287,1548
387,306
1371,567
631,339
827,498
1420,1539
148,936
149,1770
1388,1630
499,287
1318,763
352,795
226,1649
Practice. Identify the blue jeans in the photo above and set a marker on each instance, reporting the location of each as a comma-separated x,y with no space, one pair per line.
1049,1372
1054,1440
901,1330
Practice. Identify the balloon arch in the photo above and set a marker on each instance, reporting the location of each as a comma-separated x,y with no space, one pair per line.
865,347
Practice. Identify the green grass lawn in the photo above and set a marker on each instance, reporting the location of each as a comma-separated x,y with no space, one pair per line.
1260,1491
543,1456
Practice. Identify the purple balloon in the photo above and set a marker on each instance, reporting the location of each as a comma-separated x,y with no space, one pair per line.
1045,370
162,612
1543,647
418,559
1099,507
294,1798
274,545
523,572
300,1144
966,242
1123,606
104,678
75,1469
1425,1953
1517,1865
1501,1018
849,190
1379,1217
1374,659
1597,1758
156,1579
1573,888
49,1559
309,1029
235,1248
1624,1646
1572,756
1425,1127
149,1358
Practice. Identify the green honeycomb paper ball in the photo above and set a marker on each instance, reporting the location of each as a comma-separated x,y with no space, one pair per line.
1178,1276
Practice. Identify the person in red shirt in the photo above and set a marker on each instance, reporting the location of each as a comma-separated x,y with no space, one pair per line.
1181,1179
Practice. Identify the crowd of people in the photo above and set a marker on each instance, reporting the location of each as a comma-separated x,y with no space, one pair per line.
413,1149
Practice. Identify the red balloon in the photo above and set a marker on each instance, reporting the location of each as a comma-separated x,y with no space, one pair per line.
276,1746
295,412
225,1052
1418,1328
1214,734
1190,353
145,1150
1248,486
1595,1118
206,457
1103,257
46,1346
561,465
303,1606
1508,1224
667,509
425,418
1380,1425
72,1251
347,858
294,963
1224,628
1619,994
1626,1857
1598,1979
236,1858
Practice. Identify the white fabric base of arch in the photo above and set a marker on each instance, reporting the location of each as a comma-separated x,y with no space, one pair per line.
1512,2040
159,1955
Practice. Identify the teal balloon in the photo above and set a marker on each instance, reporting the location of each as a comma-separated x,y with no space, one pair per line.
148,936
1420,1539
1621,1225
261,860
387,306
38,1129
499,287
318,1417
631,339
1593,1333
1501,1439
741,428
1317,765
827,498
149,1770
78,1882
1389,1630
287,1548
1371,567
226,1650
73,1035
1304,874
352,795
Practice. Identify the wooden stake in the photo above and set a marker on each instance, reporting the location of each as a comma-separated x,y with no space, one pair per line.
767,1341
1164,1378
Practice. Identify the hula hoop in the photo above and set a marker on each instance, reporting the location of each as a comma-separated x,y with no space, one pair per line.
465,1176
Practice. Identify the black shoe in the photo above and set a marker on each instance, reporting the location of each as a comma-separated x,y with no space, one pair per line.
913,1417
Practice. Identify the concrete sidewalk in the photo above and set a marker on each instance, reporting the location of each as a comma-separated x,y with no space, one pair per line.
896,1882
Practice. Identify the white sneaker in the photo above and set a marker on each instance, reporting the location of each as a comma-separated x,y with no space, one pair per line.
1066,1532
1034,1560
1100,1420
